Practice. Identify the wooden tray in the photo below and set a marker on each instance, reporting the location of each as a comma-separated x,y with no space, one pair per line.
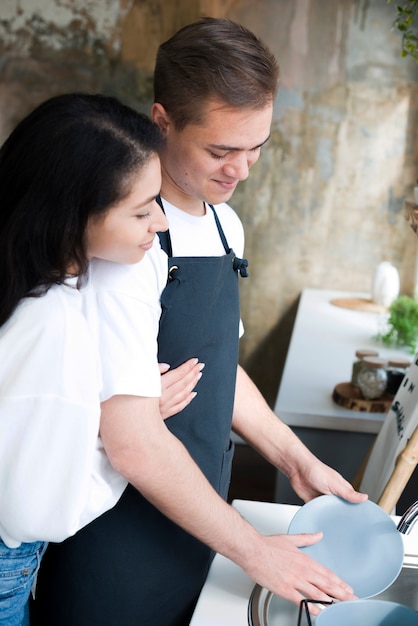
350,397
358,304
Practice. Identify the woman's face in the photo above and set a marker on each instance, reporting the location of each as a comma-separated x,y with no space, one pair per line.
126,231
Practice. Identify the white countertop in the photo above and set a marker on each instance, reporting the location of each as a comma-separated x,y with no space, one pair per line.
225,595
321,353
224,598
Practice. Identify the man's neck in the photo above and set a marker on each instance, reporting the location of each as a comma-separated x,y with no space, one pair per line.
181,200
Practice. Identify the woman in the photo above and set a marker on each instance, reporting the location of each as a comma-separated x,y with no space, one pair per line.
78,179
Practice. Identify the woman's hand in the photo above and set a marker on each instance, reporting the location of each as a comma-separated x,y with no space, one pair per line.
177,386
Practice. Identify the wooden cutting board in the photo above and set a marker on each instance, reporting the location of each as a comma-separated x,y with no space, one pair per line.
359,304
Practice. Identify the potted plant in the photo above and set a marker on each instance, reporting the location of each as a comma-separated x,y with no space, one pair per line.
406,22
402,324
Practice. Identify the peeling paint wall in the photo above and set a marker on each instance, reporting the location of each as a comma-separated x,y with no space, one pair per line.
324,205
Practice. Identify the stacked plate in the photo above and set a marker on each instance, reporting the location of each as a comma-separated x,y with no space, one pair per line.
362,545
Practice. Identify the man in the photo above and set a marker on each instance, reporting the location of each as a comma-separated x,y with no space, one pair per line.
145,561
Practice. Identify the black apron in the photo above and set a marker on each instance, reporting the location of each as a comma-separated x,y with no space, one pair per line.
133,566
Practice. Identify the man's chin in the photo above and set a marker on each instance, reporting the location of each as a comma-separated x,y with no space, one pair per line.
222,196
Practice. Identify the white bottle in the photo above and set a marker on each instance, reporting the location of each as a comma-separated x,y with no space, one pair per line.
386,285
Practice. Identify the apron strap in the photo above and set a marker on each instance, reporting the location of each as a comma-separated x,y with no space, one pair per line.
240,265
165,241
220,230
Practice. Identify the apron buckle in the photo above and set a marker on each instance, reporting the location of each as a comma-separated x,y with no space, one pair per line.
171,271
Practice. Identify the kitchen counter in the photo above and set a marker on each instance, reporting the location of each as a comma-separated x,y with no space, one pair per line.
224,597
320,355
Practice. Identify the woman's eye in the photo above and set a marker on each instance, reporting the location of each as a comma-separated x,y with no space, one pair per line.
142,216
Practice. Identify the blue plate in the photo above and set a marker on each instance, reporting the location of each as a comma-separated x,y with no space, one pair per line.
367,613
361,543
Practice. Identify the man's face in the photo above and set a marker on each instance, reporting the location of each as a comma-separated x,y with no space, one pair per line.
207,161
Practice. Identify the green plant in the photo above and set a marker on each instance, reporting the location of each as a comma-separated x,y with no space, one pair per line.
405,22
402,329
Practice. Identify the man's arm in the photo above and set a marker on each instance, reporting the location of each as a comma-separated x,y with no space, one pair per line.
144,451
255,422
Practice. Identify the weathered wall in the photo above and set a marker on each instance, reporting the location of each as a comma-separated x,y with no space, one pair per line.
324,204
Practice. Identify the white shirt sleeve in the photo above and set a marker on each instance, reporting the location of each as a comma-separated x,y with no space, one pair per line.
49,422
128,308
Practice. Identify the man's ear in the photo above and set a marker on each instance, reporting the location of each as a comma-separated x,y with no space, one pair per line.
160,117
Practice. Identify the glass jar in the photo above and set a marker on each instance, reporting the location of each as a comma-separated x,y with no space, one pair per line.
372,378
360,354
396,371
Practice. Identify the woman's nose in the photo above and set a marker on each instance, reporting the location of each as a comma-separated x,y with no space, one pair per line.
159,222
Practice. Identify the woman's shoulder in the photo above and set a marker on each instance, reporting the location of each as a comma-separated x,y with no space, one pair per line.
47,345
54,313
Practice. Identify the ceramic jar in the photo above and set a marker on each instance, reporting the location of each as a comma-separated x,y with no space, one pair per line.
396,371
385,287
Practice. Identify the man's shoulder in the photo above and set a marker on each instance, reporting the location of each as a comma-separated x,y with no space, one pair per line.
227,214
225,209
231,222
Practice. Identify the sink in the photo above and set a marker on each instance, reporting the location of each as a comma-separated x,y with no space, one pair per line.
404,590
267,609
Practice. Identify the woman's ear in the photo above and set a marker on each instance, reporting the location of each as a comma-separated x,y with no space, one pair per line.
160,117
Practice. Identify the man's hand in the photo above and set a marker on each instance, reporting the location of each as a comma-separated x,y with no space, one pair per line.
316,478
283,568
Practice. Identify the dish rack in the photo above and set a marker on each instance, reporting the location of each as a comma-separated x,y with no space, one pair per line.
304,611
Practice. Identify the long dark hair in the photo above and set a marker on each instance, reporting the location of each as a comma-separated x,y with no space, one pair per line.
71,158
213,58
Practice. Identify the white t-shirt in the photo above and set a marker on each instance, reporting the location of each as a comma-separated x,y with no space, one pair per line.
55,477
127,305
128,299
198,236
